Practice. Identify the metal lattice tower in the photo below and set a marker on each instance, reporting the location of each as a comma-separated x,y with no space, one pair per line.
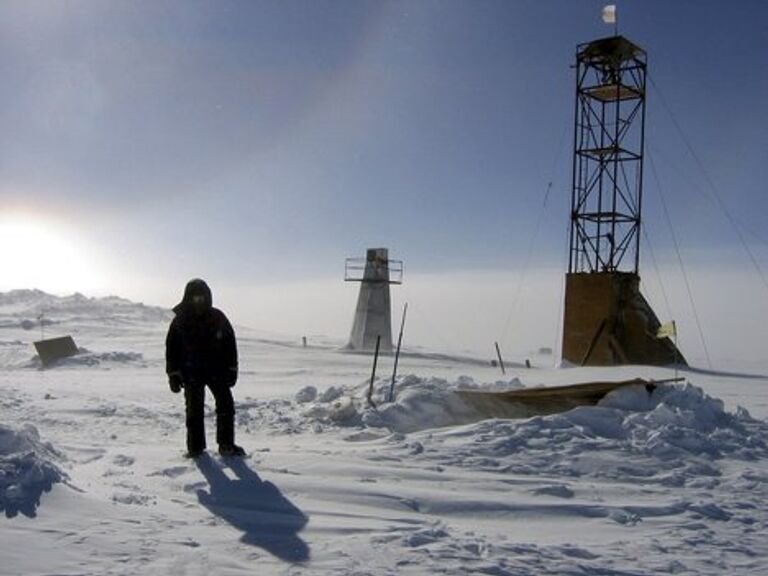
609,136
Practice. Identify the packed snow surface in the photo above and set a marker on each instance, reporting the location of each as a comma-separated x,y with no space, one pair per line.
93,478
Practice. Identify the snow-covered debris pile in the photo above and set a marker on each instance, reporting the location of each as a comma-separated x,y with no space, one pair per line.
26,470
675,419
88,358
419,403
424,403
673,436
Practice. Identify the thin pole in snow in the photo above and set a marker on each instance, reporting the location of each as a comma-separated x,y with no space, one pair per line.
373,373
501,362
397,354
674,330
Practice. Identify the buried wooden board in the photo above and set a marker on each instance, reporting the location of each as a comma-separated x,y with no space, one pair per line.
54,349
541,401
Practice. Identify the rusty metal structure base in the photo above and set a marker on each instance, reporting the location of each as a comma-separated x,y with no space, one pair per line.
608,322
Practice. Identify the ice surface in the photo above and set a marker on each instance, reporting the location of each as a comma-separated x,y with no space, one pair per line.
92,460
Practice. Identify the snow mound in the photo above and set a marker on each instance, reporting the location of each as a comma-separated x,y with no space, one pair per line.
306,394
672,436
424,403
419,404
631,432
26,470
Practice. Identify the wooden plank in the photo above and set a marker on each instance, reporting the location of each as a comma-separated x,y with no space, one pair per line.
613,92
529,402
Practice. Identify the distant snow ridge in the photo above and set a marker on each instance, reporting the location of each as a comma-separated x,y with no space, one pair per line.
24,307
26,470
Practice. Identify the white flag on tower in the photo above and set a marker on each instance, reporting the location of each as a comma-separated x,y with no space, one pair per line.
609,14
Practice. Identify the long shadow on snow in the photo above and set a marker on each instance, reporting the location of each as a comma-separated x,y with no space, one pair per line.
265,516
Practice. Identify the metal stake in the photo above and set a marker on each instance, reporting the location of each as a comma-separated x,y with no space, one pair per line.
397,354
373,373
501,362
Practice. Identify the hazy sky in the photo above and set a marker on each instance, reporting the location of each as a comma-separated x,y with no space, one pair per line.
259,143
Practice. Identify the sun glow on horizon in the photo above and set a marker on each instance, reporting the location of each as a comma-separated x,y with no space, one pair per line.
40,253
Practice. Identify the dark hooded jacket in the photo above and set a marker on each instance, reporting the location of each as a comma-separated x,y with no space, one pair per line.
200,346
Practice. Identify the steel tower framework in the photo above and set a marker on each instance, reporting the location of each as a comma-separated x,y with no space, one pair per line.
609,136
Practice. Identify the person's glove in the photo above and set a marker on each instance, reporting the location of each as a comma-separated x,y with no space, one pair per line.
176,383
232,377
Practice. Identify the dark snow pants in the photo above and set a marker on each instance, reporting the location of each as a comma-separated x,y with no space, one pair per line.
194,394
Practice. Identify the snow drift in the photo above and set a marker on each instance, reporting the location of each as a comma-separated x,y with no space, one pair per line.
26,470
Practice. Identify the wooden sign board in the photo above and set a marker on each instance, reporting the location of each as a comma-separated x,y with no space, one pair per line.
52,349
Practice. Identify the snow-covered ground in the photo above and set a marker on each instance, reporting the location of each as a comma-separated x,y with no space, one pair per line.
93,479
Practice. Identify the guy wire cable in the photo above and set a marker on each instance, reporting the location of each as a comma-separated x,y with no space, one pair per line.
680,261
658,272
532,242
711,184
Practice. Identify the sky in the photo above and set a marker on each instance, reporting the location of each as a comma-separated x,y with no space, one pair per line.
258,144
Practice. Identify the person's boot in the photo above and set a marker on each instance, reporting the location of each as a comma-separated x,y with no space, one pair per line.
231,450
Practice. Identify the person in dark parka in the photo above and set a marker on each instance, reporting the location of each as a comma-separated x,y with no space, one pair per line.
200,351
